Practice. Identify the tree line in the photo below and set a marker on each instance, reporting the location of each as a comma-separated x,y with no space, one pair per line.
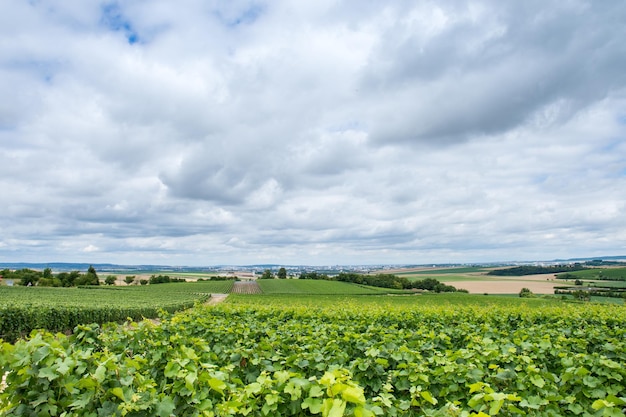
535,270
383,281
29,277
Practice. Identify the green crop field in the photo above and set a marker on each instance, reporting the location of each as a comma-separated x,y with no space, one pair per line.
296,286
315,348
302,355
451,277
394,302
23,309
601,273
460,270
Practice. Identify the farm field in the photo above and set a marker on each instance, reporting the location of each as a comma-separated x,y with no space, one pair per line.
476,281
438,271
295,286
23,309
612,273
332,355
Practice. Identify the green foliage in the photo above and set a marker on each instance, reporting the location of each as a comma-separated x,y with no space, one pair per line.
267,274
608,274
60,309
129,279
110,280
390,281
282,273
431,284
164,279
534,270
339,359
526,293
25,276
314,275
297,286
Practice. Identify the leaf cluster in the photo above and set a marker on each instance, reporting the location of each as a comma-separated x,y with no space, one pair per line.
268,360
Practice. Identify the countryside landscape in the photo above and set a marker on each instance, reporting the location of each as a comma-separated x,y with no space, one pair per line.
330,208
481,341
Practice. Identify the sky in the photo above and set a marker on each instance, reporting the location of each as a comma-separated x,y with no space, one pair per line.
206,132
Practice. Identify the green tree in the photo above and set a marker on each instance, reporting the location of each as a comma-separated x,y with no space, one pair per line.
110,280
267,274
47,273
90,278
282,273
526,293
27,277
129,279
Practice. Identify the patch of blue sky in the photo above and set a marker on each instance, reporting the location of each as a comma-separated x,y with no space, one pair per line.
248,16
622,119
42,69
114,19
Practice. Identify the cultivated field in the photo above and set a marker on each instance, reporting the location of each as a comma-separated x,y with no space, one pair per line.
23,309
315,348
476,281
332,355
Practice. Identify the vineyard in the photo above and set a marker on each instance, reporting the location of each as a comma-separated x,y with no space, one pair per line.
23,309
248,287
331,356
296,286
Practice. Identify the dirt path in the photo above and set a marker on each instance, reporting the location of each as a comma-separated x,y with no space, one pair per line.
216,299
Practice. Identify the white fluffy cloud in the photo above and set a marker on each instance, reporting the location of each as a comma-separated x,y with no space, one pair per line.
331,132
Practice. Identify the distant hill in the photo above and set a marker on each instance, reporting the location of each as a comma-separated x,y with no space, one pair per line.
136,269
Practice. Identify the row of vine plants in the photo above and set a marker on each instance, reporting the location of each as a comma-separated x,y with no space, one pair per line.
273,360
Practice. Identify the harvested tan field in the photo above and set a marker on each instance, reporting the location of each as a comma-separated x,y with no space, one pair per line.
539,284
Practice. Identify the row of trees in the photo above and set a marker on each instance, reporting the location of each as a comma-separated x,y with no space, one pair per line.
281,274
383,281
535,270
29,277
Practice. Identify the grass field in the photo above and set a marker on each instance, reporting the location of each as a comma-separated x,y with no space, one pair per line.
393,302
160,295
467,270
295,286
601,273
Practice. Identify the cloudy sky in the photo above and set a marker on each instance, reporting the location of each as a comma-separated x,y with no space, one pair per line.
321,132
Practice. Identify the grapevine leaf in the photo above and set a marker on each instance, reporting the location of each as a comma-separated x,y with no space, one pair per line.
363,412
48,373
333,407
354,395
217,385
313,404
316,391
118,393
537,381
428,397
165,407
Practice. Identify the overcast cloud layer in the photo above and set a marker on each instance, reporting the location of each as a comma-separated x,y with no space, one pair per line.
321,132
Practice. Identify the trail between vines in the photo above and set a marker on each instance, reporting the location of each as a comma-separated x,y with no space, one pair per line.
216,299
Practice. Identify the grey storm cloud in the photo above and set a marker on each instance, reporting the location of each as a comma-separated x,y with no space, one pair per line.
325,132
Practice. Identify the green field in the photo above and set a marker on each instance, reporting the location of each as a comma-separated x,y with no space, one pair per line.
313,348
23,309
460,270
126,296
394,302
296,286
618,274
332,355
